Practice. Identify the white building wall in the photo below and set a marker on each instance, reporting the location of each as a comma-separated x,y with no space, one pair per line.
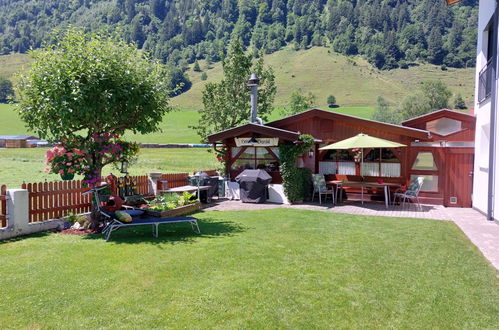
482,112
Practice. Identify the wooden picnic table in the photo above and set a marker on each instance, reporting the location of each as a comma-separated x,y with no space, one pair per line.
364,184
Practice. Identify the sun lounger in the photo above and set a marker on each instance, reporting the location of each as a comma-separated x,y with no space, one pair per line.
112,222
155,222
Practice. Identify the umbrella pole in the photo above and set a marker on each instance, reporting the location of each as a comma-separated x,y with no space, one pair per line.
362,176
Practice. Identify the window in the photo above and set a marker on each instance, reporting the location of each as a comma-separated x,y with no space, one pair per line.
338,155
425,162
388,165
487,74
256,158
443,126
430,182
427,168
337,162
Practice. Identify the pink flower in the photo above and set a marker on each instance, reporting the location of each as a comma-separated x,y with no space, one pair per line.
68,164
71,170
46,169
61,172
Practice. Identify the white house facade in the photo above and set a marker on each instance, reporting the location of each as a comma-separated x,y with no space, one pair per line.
486,178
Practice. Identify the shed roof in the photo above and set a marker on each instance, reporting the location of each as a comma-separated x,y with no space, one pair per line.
18,137
331,115
254,128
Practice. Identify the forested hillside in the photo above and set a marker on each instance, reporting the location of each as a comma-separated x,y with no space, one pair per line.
389,33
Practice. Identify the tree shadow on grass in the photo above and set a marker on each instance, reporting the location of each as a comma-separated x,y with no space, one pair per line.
173,233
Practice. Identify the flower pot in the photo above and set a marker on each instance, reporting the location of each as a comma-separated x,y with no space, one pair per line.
67,176
182,210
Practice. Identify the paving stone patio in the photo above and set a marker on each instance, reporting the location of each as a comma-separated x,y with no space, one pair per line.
484,234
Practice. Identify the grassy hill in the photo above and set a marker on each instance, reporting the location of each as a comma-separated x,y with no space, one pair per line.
13,63
353,81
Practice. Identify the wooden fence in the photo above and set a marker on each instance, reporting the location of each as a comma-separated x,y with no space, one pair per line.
53,200
3,206
176,179
181,179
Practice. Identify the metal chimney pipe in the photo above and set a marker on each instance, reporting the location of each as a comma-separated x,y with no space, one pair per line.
253,83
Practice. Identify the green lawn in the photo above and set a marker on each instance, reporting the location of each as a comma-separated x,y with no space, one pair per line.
18,165
253,269
175,125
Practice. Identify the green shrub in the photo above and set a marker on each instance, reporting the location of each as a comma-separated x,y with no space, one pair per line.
294,179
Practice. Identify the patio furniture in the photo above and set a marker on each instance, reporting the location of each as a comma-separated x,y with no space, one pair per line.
320,187
385,185
115,224
411,193
112,223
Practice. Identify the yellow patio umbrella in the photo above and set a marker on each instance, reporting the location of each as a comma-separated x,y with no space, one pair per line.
362,141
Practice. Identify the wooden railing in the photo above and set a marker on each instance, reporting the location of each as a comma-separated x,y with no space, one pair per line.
181,179
176,179
53,200
3,206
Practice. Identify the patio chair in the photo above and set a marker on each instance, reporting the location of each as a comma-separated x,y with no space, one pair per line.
320,188
112,223
411,193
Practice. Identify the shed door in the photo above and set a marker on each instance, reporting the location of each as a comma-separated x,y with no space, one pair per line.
459,178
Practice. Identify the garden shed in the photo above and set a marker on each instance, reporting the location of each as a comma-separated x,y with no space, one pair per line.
16,141
439,147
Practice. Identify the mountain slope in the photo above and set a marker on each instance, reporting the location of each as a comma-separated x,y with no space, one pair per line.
352,80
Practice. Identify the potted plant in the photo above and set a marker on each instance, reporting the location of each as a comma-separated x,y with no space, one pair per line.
172,205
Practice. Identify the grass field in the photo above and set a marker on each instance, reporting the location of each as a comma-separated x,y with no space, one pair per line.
13,63
175,125
353,81
269,269
18,165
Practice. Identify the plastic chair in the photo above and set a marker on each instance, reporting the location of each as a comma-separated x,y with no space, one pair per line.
411,193
320,188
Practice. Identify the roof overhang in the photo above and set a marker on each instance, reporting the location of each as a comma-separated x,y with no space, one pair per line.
451,2
439,114
330,115
251,128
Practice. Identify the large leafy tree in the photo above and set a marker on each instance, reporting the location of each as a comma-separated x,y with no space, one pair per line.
433,95
85,87
226,104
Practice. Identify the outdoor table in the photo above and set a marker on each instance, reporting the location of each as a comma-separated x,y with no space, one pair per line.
385,185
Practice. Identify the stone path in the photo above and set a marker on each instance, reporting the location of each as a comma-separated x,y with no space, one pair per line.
484,234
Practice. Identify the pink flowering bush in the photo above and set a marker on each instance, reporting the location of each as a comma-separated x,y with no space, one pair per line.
109,149
87,156
61,161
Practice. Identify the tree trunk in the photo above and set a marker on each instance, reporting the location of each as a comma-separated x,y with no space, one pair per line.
96,218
